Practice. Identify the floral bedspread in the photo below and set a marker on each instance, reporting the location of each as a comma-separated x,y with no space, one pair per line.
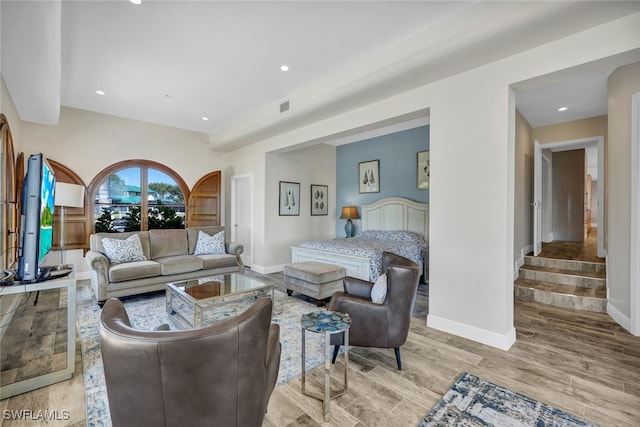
372,243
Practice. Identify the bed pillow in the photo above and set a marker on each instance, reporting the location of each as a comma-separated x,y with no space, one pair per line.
207,245
379,290
119,251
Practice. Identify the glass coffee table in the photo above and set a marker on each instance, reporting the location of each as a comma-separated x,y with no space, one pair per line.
193,303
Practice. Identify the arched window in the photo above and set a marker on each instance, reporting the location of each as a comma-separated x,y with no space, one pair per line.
138,195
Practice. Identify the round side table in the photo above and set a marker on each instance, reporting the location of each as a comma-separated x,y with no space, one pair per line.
327,323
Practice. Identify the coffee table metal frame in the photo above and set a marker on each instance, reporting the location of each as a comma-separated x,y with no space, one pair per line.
201,306
326,397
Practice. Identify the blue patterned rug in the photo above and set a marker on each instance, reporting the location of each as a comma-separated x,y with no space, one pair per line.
472,401
149,311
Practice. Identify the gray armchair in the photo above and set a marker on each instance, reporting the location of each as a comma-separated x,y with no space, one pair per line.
383,325
221,374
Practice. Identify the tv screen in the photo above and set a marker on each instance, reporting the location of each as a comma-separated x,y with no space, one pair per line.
36,233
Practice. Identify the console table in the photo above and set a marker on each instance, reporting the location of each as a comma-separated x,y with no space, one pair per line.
67,367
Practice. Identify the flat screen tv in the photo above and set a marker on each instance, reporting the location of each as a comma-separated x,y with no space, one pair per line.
36,218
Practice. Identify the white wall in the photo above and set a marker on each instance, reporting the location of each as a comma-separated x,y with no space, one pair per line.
623,83
473,154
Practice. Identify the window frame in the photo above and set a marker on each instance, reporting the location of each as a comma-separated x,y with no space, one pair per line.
144,166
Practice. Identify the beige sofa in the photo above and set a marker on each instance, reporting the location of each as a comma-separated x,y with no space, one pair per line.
169,256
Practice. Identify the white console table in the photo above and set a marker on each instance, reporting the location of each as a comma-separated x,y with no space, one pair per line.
23,386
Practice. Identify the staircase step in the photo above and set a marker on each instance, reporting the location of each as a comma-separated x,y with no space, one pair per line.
566,264
575,297
594,280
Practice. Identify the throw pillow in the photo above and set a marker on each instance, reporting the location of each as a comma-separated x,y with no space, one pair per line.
379,289
210,244
123,250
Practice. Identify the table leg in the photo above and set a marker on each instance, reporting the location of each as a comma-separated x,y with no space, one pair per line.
303,363
327,375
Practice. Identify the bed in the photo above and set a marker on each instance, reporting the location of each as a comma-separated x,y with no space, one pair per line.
393,224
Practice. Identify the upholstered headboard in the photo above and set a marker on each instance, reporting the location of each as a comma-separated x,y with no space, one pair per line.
396,213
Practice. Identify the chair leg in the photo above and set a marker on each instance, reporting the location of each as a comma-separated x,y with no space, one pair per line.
335,353
398,359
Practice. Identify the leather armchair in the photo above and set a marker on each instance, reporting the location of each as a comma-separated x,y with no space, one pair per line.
222,374
379,325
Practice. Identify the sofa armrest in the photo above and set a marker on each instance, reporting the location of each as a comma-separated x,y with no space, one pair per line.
99,268
234,248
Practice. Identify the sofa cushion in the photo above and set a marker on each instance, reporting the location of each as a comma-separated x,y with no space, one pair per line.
192,235
169,242
123,250
134,270
179,264
210,244
218,261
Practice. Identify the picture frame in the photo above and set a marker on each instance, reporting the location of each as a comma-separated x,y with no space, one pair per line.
423,170
319,200
289,199
369,176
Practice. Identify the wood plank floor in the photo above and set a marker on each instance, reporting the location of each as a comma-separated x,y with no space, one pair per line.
581,362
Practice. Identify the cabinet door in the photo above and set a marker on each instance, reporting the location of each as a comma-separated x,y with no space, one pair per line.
204,201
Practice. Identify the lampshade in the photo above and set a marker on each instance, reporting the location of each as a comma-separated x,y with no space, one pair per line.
349,212
69,195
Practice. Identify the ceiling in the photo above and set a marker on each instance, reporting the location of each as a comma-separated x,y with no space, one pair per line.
175,62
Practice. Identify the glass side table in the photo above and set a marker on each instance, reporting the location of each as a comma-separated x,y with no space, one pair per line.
329,323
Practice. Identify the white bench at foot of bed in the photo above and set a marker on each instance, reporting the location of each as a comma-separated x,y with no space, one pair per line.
355,266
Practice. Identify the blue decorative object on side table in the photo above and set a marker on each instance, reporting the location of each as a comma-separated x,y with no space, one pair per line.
327,322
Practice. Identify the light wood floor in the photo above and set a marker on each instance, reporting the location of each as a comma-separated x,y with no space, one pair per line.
581,362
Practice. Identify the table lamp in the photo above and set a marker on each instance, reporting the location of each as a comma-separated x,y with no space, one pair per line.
71,196
349,213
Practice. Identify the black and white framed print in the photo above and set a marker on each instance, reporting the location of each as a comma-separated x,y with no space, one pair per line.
369,176
423,170
319,199
289,198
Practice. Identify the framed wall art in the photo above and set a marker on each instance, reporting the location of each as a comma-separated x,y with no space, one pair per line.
289,203
369,176
319,199
423,171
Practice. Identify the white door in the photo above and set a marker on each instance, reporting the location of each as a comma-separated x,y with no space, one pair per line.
242,215
537,198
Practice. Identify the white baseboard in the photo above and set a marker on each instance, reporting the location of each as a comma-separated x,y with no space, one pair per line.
267,269
619,317
548,238
520,261
500,341
83,275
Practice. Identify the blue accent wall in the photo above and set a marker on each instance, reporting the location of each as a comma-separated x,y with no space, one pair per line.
397,153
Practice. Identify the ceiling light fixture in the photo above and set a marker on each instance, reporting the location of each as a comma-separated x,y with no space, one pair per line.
284,67
205,118
563,108
100,92
135,1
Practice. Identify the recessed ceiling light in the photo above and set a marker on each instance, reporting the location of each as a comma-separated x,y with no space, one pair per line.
136,1
205,118
284,67
563,108
100,92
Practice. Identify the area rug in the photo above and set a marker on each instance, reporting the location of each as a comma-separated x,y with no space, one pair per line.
472,401
147,312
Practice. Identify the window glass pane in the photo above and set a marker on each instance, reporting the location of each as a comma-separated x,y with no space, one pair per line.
117,203
166,201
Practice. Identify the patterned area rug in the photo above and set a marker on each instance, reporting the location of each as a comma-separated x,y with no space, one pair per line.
472,401
149,311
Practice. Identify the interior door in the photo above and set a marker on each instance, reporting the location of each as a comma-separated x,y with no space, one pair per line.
537,198
242,215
